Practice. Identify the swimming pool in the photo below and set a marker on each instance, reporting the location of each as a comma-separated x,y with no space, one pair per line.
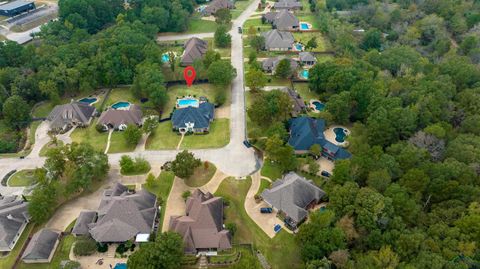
298,46
121,105
340,134
165,58
88,100
318,105
186,102
304,74
304,26
120,266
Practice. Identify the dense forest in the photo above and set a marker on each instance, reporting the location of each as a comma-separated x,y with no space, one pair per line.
406,74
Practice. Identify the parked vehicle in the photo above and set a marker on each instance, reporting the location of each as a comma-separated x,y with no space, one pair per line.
290,224
22,157
266,210
239,30
247,144
325,174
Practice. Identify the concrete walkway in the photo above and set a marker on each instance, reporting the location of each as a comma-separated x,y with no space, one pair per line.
108,140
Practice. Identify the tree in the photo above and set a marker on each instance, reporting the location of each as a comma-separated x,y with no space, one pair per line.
84,246
132,134
42,202
16,112
379,180
49,88
269,108
221,37
255,79
149,83
150,181
257,42
232,227
210,57
372,40
316,150
221,73
284,69
150,124
184,164
313,167
312,43
165,253
223,16
282,155
339,105
128,166
319,264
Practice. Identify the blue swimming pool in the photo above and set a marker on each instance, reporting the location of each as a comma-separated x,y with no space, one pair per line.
304,26
88,100
165,58
187,102
121,105
120,266
318,105
298,46
340,134
304,74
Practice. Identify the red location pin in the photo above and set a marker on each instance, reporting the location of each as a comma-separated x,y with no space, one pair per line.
189,75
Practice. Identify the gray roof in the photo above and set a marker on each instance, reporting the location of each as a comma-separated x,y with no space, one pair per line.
215,5
306,131
287,4
202,227
270,64
72,113
123,215
278,39
298,105
83,221
292,194
201,116
306,56
41,245
117,117
13,215
194,49
283,20
15,4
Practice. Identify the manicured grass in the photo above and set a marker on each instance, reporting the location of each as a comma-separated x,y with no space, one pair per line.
218,137
163,137
61,254
305,92
119,144
91,136
9,260
322,43
240,6
49,145
161,187
276,81
201,175
121,94
310,18
281,252
224,52
2,38
264,184
197,25
256,22
271,170
22,178
179,91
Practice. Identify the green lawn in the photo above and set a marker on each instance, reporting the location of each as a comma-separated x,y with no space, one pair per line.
42,110
179,91
309,18
240,6
121,94
276,81
305,92
218,137
224,52
264,184
271,170
22,178
201,175
161,187
49,145
197,25
91,136
163,137
2,38
256,22
281,251
61,254
9,260
118,143
322,43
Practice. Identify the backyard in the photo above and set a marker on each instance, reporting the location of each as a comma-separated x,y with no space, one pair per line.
161,187
281,251
271,170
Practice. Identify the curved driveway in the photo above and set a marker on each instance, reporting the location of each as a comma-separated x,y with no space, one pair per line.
234,159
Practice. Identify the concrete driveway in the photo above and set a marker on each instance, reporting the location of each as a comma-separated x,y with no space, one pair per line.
41,139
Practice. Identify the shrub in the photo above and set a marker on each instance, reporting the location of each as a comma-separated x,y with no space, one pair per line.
232,227
121,249
128,166
85,246
186,194
102,248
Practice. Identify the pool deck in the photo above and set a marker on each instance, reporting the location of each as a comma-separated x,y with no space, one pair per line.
108,259
330,135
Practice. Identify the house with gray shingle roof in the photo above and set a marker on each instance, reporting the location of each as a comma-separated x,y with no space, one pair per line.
298,105
202,227
121,216
119,119
41,247
288,5
293,195
306,132
283,20
276,40
194,48
193,119
269,65
14,218
307,58
216,5
63,117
